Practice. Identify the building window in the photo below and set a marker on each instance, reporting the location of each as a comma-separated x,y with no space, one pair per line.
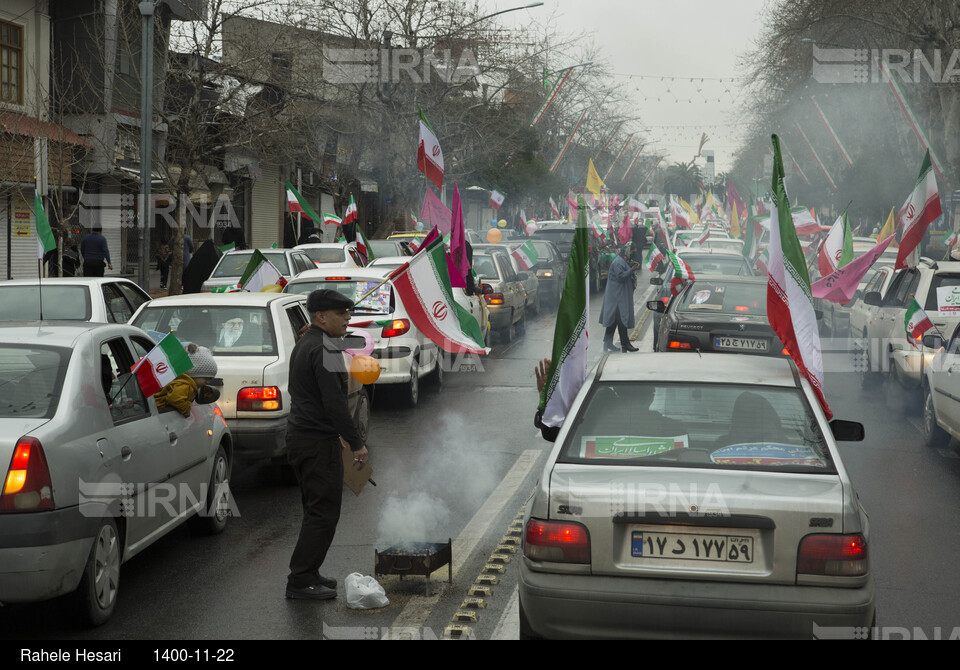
11,63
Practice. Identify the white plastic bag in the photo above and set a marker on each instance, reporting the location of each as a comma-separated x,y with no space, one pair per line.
364,593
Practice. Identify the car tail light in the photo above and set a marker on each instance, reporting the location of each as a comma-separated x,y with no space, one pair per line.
219,412
336,278
27,487
741,308
665,299
786,352
493,298
835,555
396,327
259,398
556,542
676,344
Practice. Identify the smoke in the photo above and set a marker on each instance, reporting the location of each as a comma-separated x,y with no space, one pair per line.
451,474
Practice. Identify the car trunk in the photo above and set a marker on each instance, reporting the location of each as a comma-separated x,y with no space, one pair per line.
750,334
696,524
239,372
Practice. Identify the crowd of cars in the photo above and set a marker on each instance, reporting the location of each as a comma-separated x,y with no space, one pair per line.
97,472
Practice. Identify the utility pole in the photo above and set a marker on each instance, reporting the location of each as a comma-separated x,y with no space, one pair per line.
147,11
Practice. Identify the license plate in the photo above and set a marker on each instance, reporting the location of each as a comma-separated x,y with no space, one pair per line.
691,546
741,343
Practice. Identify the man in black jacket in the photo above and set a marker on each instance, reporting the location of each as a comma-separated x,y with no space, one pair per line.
319,416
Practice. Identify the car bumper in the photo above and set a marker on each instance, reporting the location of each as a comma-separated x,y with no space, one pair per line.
258,438
569,606
500,316
395,363
911,365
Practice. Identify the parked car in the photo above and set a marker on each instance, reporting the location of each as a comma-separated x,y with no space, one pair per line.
230,268
254,363
89,458
941,390
695,496
885,343
503,293
97,299
718,314
329,255
405,354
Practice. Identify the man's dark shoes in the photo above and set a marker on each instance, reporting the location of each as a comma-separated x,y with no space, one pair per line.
629,347
326,581
315,592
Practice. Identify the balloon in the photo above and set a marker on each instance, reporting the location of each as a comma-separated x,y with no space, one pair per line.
502,223
493,223
365,369
367,347
272,288
419,225
531,228
494,235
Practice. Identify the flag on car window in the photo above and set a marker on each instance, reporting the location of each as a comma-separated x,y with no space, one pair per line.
260,273
363,246
164,363
789,300
568,361
916,322
525,255
681,273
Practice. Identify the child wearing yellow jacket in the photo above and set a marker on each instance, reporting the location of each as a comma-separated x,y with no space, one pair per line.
181,392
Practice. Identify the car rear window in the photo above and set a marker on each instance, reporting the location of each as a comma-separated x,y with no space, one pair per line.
31,379
233,265
697,425
485,267
940,281
325,255
724,298
22,303
379,300
225,330
718,265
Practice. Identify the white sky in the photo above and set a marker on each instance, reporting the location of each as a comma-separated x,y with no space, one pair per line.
682,39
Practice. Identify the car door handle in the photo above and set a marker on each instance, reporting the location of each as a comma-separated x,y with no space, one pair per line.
173,437
126,453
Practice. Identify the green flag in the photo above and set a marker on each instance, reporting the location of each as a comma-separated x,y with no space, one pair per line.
45,239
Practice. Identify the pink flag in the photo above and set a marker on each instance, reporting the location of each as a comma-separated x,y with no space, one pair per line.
435,213
840,286
625,233
458,244
434,234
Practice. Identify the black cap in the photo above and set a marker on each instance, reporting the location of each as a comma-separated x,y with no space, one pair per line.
325,298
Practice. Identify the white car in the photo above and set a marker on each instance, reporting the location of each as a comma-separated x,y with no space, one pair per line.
95,473
941,390
97,299
330,255
253,364
230,268
406,356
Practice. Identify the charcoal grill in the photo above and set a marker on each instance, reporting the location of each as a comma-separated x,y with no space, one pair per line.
415,558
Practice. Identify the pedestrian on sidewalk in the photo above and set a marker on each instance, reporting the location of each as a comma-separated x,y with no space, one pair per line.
95,252
617,311
163,263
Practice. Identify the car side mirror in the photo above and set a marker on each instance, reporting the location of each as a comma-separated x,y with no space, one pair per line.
207,395
523,276
932,341
656,306
656,281
872,298
847,431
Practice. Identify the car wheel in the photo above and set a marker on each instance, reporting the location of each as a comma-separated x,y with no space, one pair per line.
436,377
97,594
213,518
933,435
361,416
412,392
522,323
505,333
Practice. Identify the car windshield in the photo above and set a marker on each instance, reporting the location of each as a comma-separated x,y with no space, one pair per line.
233,265
697,425
380,301
561,237
943,296
31,379
224,329
384,248
724,298
718,265
544,252
325,254
22,303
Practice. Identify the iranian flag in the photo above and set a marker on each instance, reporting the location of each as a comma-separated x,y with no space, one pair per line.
704,236
260,273
634,206
918,212
654,256
554,210
298,205
429,154
950,240
679,214
681,273
496,199
232,288
916,322
837,249
568,361
164,363
423,285
329,219
525,255
363,246
790,308
351,214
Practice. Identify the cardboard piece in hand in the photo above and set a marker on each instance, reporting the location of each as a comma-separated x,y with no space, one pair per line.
354,478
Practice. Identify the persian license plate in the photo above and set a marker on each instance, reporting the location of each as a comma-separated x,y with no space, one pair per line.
691,546
741,343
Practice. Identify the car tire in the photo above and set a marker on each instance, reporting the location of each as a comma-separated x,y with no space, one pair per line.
522,323
436,377
213,518
506,333
96,596
934,436
361,417
411,393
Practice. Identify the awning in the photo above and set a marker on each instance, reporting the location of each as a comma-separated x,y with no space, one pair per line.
19,124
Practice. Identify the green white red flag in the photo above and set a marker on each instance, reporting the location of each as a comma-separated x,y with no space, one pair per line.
916,322
654,256
790,309
837,248
681,273
330,219
351,214
921,208
298,204
164,363
568,362
260,273
525,255
429,154
363,246
423,285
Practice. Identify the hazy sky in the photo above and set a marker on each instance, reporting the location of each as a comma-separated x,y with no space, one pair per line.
678,39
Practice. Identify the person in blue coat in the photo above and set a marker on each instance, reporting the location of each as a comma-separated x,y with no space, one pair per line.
617,311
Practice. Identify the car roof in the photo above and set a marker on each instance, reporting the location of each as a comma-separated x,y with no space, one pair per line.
55,332
326,245
730,279
375,272
236,299
709,368
82,281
